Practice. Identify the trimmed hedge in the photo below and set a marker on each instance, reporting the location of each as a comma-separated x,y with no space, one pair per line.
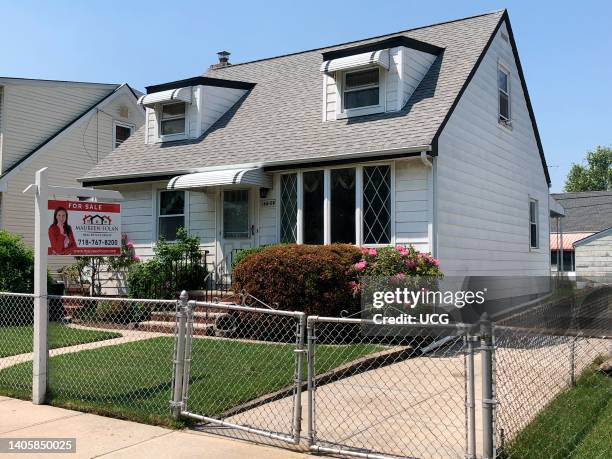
314,279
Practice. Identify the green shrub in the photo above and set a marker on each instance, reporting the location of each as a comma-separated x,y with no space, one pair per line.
121,312
16,264
174,267
243,253
308,278
16,276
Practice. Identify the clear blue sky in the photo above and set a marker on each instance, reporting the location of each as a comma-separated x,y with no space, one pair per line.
565,47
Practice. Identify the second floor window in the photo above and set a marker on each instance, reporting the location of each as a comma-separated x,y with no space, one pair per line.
361,89
172,119
503,89
122,132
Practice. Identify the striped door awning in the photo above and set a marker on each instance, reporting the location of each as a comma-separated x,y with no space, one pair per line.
243,176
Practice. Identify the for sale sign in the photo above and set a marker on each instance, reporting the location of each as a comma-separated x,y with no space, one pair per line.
84,228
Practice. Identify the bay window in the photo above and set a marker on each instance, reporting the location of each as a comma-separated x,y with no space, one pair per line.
343,205
288,208
313,207
349,205
377,205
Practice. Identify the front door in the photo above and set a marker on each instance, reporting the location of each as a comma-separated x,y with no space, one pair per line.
237,223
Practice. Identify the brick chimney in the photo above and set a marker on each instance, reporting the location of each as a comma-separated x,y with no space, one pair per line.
223,60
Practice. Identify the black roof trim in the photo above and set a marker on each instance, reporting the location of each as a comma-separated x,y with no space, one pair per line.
335,162
527,99
504,18
122,181
384,44
200,80
49,139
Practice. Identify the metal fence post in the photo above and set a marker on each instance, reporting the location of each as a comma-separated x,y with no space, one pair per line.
470,401
299,360
176,404
573,361
188,354
311,337
41,311
486,353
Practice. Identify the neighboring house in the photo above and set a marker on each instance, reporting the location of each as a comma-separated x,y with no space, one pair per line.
594,257
65,126
424,137
586,213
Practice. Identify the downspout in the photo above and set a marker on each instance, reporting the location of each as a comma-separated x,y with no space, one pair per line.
432,207
425,161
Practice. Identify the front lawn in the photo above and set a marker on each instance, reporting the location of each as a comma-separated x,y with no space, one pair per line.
133,380
575,424
15,340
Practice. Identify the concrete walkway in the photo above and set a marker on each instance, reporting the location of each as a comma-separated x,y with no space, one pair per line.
98,436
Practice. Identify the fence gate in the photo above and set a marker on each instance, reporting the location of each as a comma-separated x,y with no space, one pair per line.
239,369
369,395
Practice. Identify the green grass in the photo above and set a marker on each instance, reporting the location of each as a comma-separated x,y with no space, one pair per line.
17,340
133,380
576,424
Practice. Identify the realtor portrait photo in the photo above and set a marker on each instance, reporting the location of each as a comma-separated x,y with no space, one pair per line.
61,238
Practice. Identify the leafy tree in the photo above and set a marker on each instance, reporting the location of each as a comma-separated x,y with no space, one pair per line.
596,175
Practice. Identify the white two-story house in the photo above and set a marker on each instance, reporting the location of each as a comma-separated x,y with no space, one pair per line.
424,137
66,126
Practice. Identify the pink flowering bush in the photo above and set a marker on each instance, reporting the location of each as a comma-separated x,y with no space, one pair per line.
398,264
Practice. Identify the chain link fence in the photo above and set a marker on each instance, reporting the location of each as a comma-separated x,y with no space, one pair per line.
16,342
395,393
331,385
109,356
244,370
549,391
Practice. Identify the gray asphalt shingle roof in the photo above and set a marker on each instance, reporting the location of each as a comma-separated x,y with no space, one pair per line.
587,211
280,118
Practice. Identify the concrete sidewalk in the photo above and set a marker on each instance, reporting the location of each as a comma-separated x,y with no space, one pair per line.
98,436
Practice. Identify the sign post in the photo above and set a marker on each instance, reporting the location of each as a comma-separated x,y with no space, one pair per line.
100,235
41,351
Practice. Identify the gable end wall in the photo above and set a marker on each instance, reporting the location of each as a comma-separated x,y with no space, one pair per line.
486,174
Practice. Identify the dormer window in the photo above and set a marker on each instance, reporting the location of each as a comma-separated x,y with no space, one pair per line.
361,88
172,119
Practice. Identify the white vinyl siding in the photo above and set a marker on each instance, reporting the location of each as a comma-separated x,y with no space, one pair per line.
485,176
267,218
413,204
34,112
80,148
594,258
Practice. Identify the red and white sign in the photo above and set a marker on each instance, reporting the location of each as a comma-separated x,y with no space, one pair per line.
84,228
